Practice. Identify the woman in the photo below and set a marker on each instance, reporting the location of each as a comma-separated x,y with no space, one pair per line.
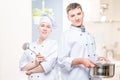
39,60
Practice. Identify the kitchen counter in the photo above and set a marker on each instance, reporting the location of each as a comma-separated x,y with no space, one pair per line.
117,72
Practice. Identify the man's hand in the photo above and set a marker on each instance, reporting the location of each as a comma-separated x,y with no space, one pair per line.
103,59
88,63
85,61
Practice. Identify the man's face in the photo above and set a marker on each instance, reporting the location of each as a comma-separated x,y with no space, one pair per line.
76,16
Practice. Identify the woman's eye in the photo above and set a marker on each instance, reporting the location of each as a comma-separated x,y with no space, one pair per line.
42,25
48,26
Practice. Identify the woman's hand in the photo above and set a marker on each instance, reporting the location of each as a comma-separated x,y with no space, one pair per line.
29,72
39,59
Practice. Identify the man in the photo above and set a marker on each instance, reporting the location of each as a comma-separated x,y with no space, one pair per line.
76,54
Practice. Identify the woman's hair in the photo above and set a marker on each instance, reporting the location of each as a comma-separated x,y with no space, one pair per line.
73,6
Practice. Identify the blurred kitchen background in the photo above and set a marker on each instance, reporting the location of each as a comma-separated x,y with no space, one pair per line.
102,19
17,25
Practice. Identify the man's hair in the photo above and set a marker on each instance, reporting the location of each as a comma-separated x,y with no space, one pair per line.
73,6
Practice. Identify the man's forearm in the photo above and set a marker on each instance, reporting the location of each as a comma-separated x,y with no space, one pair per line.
76,61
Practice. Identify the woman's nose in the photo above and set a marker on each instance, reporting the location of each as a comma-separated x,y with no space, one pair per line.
44,28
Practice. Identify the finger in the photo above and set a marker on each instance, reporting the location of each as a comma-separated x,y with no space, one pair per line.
27,73
38,54
92,64
40,58
102,59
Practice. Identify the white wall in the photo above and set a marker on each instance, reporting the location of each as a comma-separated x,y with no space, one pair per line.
15,29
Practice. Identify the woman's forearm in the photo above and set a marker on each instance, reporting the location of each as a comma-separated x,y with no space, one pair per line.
38,69
29,66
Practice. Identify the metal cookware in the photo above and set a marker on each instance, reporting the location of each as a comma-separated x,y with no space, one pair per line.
27,46
104,70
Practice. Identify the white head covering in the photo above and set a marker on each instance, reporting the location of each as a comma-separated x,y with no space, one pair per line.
47,18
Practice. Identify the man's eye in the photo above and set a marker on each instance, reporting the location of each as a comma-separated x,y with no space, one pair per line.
72,15
79,13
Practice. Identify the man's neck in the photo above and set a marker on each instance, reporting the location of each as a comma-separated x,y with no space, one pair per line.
81,27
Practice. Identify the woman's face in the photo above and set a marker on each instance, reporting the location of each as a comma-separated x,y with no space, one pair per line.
44,30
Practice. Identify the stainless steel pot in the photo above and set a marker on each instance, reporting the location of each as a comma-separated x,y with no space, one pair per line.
104,70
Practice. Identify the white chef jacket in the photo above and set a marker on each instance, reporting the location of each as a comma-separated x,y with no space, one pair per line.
49,50
75,44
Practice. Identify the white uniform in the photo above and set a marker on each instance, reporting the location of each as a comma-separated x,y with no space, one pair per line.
49,50
75,44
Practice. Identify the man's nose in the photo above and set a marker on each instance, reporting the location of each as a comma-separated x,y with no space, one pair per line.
76,18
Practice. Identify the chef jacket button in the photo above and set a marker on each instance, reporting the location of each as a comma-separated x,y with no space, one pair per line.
31,76
91,43
86,44
42,46
31,53
94,55
32,61
80,34
34,47
37,76
88,55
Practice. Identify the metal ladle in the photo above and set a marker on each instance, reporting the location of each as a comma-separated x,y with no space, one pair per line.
26,46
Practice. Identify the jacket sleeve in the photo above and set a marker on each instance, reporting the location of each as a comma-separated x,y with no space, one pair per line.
23,60
64,59
51,60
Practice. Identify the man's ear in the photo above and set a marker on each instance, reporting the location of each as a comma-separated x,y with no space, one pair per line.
83,13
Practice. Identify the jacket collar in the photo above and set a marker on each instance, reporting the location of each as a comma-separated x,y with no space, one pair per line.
80,28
